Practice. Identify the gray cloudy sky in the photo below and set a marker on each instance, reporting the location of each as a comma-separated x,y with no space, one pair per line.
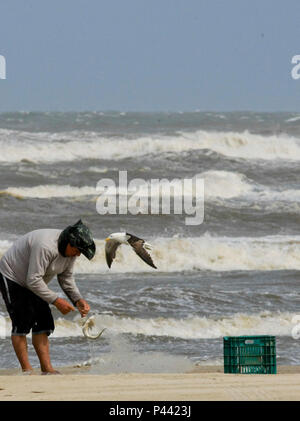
137,55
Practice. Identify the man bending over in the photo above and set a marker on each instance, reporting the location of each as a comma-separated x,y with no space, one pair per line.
25,271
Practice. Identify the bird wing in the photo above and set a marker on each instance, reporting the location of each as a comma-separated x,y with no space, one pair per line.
110,251
138,246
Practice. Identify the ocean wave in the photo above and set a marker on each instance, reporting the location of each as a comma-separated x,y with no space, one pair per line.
77,145
196,327
217,185
177,254
48,191
224,184
292,119
192,327
203,253
247,145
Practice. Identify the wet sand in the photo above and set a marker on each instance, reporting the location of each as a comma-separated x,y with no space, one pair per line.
204,383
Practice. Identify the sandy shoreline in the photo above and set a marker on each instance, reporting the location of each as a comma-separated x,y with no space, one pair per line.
205,383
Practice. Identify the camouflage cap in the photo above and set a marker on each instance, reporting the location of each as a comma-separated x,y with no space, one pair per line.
79,236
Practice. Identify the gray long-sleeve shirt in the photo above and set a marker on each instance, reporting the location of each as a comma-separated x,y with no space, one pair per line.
33,260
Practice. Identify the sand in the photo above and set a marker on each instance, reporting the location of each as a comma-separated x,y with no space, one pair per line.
206,383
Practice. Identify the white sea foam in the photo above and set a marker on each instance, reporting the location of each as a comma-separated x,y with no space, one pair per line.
77,145
248,146
202,327
178,254
292,119
203,253
193,327
224,184
219,184
49,191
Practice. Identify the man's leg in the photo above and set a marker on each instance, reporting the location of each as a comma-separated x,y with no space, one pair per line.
41,345
20,346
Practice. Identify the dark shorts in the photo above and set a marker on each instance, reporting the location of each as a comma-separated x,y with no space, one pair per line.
26,310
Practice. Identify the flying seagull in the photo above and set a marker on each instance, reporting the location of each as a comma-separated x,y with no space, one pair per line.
138,244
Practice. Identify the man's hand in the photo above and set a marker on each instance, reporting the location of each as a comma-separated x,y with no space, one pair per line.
63,306
83,307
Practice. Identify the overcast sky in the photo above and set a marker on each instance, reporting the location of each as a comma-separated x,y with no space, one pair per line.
149,55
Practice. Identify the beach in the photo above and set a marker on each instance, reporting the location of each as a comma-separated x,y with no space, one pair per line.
236,273
207,383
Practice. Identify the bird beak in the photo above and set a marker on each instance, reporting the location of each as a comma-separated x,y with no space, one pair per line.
107,239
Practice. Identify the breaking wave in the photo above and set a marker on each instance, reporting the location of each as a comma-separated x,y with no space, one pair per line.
77,145
178,254
192,327
217,184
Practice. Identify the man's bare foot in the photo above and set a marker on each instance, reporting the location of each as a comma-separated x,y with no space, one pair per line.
50,372
27,372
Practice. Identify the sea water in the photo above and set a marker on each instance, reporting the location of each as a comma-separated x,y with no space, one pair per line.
237,273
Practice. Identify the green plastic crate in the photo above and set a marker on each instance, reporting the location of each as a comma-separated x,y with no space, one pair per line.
250,354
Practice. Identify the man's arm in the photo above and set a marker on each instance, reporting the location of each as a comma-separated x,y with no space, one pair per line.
40,259
68,285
